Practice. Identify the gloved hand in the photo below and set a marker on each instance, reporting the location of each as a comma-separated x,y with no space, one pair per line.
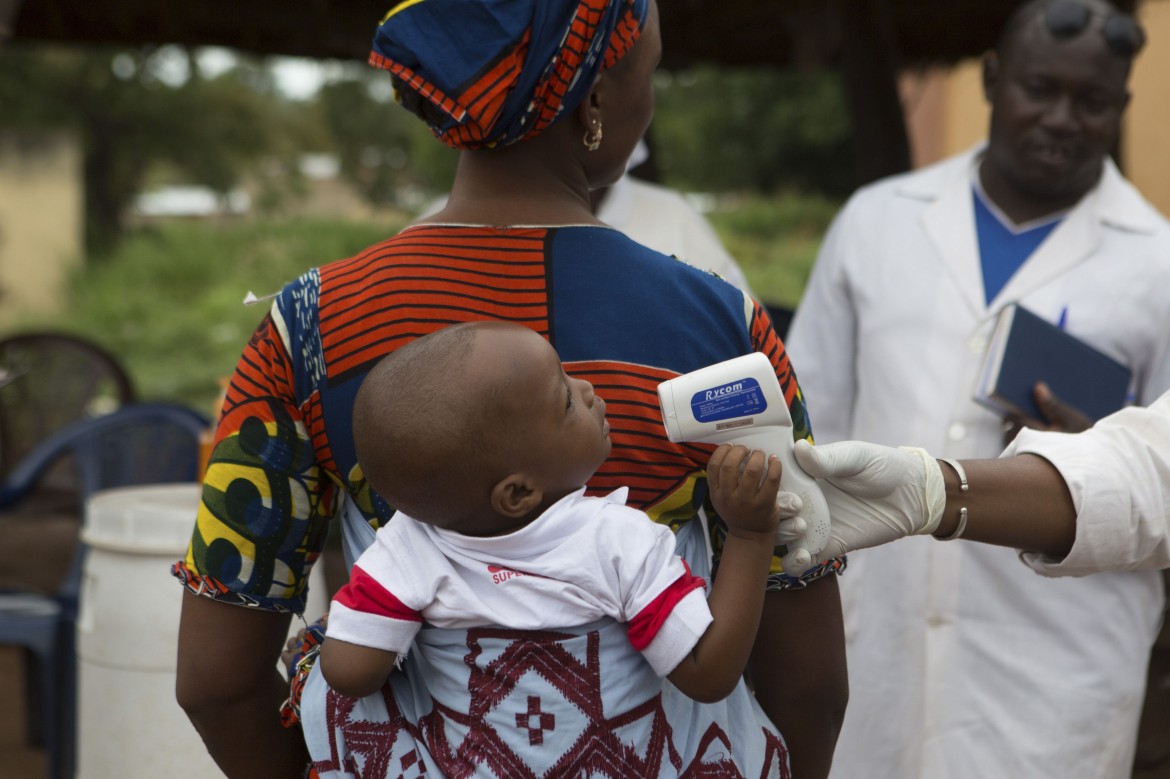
876,494
791,527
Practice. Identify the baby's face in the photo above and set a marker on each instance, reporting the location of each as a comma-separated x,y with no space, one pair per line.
562,436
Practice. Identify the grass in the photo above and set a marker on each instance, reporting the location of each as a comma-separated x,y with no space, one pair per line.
775,240
168,302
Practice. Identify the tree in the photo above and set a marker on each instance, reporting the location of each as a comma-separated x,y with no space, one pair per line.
387,153
130,116
761,129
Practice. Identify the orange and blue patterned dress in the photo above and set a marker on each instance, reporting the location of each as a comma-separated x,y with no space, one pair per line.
619,314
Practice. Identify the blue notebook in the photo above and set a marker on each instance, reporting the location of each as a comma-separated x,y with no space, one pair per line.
1026,348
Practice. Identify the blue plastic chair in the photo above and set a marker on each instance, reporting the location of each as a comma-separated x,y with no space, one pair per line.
143,443
49,380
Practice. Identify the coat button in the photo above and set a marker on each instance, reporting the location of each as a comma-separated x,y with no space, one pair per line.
957,431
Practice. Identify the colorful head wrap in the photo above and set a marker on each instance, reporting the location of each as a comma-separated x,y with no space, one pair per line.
483,73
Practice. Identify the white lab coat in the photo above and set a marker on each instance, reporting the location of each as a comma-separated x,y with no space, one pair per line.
1119,477
963,664
662,219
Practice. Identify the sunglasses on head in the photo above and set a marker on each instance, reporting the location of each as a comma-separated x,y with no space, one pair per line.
1067,19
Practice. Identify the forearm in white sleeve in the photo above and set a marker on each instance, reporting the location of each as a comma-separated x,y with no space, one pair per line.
1118,473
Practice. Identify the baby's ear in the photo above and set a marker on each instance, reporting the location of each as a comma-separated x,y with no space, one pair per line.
515,495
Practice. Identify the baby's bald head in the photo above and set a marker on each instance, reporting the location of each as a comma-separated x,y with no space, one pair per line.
434,425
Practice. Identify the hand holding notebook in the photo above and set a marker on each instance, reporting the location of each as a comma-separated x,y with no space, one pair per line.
1026,349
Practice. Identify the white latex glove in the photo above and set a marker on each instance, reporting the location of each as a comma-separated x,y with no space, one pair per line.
876,494
791,527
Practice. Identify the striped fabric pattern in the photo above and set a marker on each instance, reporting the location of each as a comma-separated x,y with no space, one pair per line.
478,275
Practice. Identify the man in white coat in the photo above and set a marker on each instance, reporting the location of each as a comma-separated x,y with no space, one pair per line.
963,664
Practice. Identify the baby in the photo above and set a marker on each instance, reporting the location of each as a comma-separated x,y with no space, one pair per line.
483,443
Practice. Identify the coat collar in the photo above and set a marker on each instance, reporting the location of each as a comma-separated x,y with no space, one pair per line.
1118,203
948,218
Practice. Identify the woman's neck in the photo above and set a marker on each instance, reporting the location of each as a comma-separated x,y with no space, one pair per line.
525,184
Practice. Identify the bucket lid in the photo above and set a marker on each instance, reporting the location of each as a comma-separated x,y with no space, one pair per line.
149,519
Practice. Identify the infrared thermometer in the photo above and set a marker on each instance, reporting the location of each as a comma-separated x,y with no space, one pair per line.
739,401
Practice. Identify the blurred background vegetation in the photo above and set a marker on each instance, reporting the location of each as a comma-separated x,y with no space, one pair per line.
768,152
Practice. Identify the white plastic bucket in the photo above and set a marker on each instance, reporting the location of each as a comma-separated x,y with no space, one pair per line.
129,725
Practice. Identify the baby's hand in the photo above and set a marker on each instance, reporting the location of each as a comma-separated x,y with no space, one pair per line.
743,488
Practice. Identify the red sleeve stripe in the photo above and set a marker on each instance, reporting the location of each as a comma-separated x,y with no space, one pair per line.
647,622
364,594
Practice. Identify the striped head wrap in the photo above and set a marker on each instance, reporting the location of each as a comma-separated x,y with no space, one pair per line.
484,73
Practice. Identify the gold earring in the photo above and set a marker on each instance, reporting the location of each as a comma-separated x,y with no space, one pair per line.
592,139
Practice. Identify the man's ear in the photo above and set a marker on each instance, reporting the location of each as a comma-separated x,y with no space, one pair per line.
990,74
515,496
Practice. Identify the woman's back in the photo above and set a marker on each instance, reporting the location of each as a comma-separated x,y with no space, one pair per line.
620,315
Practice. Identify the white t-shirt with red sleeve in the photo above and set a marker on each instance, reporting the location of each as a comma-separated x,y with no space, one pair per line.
583,559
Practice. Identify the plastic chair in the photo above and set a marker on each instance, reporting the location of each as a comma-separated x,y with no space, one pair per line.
147,443
50,380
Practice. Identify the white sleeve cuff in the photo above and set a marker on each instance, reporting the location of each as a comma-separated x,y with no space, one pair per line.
374,631
1110,533
679,633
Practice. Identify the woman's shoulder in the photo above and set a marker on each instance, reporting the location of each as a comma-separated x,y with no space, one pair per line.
608,243
610,237
616,300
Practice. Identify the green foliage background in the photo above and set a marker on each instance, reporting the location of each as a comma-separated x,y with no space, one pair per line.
775,240
169,303
132,124
760,130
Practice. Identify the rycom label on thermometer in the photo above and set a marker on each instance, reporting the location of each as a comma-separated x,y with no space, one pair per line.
740,398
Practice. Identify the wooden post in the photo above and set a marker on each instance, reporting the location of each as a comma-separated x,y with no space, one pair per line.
869,64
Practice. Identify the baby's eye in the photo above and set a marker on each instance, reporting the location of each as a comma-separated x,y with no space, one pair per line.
568,399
